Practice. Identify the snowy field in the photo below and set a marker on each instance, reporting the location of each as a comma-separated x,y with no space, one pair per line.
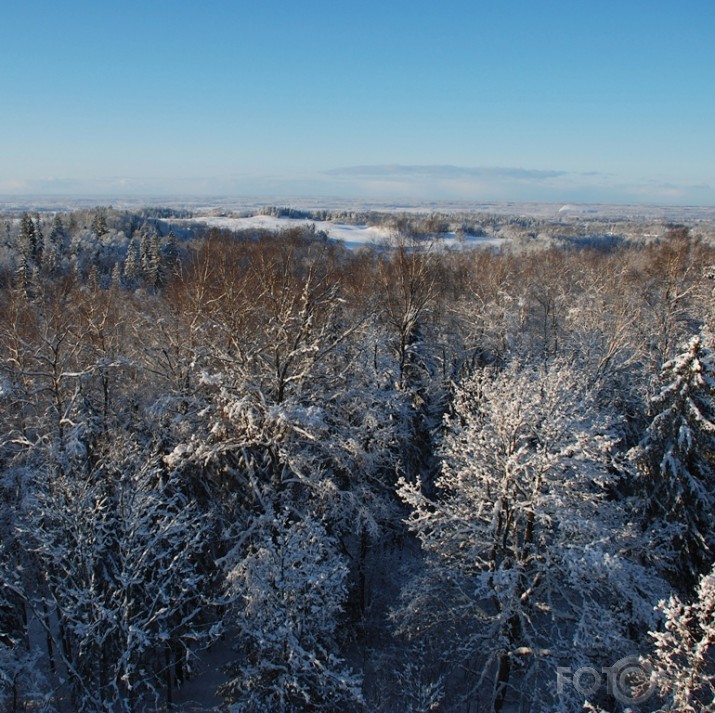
353,236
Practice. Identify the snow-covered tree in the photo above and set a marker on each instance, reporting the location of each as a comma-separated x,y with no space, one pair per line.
117,276
407,283
22,683
170,253
39,240
675,462
154,265
683,661
120,552
527,553
132,263
28,245
99,223
57,233
51,252
288,593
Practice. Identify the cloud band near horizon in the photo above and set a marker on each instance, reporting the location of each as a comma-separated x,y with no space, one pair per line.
388,181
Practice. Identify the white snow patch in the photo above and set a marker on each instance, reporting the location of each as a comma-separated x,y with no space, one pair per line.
5,387
353,236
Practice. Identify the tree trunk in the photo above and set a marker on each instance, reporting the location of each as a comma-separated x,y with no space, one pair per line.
48,638
362,578
167,673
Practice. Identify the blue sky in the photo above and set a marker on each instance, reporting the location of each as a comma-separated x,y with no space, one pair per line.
480,101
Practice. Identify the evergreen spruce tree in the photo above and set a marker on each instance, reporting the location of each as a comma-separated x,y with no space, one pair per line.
93,278
684,658
27,239
154,266
39,241
116,277
57,234
50,253
171,253
675,461
24,272
132,266
145,251
99,223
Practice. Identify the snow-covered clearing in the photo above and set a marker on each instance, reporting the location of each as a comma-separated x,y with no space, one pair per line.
353,236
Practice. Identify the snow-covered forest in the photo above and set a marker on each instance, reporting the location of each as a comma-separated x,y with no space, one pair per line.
404,477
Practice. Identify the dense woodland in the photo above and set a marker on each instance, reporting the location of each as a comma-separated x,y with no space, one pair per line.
402,480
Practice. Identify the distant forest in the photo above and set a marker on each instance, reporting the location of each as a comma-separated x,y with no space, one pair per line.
397,479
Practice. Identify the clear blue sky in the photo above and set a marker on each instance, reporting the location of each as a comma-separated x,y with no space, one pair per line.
500,100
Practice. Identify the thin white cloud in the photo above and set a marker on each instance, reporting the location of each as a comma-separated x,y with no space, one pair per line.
387,182
513,184
445,171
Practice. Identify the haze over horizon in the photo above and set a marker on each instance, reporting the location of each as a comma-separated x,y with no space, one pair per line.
606,103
